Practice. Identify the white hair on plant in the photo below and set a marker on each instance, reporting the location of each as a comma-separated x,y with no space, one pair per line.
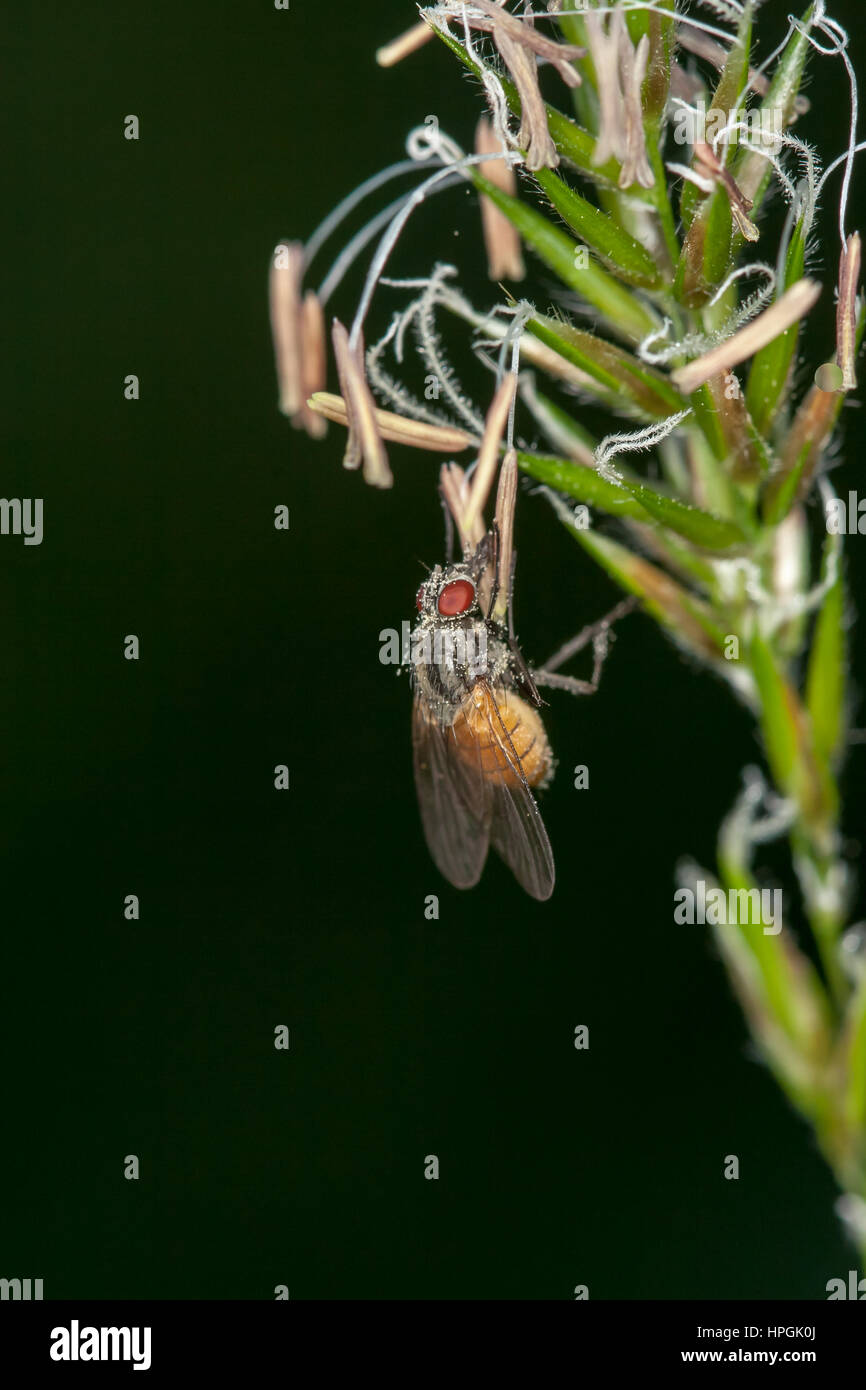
753,268
404,318
758,816
417,283
825,893
350,202
428,140
520,315
456,303
725,9
496,99
810,163
430,347
633,441
834,31
780,47
499,330
838,36
393,390
353,249
771,148
451,298
455,162
512,340
840,159
772,610
802,197
429,285
418,315
695,344
740,577
647,353
441,150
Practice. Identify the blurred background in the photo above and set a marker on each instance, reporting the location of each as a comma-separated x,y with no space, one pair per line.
409,1037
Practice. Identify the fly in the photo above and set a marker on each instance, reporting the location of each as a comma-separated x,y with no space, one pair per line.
480,750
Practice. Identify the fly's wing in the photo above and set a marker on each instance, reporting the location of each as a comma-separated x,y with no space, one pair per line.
517,831
453,800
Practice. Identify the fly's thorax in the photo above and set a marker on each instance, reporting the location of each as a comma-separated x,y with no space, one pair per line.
448,656
497,729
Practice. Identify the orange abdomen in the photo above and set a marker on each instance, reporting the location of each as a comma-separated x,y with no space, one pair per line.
494,727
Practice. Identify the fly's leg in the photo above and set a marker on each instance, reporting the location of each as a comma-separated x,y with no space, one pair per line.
599,635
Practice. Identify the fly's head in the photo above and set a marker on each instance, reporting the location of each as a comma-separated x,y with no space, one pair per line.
449,597
450,635
458,595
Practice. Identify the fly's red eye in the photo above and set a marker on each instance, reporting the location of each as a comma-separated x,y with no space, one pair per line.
455,598
419,599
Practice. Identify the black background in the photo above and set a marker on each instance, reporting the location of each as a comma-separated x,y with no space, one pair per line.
408,1037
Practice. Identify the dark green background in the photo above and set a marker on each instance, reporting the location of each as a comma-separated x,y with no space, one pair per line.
257,647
